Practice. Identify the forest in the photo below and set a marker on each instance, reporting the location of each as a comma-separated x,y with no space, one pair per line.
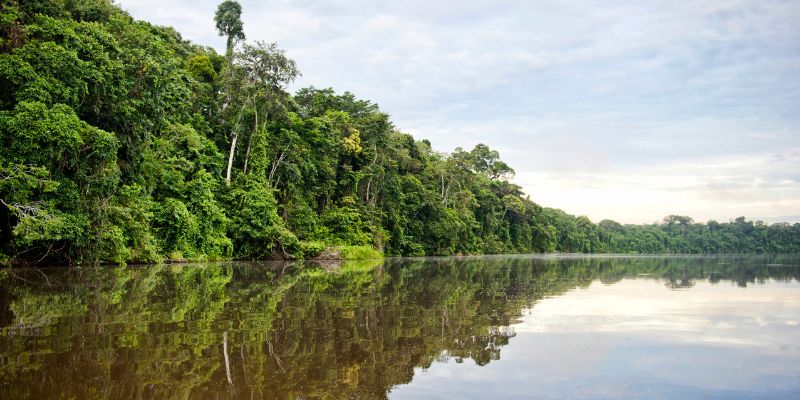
122,142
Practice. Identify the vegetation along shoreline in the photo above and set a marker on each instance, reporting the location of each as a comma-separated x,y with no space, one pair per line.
121,142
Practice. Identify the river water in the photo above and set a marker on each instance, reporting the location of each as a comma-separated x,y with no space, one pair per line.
474,327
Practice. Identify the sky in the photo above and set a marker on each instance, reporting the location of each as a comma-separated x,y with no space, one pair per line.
611,109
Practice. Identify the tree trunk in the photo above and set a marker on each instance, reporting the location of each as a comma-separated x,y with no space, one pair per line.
369,182
234,138
230,159
272,352
250,142
275,165
229,48
446,192
225,352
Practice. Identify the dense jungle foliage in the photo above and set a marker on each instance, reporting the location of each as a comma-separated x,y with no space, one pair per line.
122,142
350,330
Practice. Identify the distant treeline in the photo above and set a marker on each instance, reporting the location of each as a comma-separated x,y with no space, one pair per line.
680,234
122,142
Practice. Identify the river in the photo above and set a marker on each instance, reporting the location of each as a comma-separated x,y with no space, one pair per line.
462,327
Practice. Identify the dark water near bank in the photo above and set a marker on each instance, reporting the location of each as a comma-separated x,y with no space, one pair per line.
494,327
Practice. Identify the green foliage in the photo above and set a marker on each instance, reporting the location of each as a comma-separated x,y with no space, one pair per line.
256,229
228,20
201,68
344,225
90,10
122,142
357,252
312,248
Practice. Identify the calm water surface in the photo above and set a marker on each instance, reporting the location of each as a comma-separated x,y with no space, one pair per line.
494,327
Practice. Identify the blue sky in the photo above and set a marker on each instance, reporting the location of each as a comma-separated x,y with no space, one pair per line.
610,109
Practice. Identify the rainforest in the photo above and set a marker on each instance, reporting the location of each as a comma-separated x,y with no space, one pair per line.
121,142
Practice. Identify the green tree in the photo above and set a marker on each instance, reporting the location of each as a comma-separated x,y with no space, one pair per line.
228,20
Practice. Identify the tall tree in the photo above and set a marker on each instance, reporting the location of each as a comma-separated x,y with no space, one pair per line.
264,73
229,23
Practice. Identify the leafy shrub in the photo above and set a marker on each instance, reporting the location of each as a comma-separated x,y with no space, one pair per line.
357,252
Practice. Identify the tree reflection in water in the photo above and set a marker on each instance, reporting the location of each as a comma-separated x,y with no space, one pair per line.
301,330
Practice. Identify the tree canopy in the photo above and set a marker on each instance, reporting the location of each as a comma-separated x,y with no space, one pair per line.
122,142
228,20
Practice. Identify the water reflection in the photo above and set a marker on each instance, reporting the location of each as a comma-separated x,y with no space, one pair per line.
367,329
